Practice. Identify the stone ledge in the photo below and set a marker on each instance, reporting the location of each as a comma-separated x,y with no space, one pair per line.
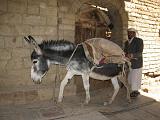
30,94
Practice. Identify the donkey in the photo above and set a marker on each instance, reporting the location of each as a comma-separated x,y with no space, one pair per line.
67,53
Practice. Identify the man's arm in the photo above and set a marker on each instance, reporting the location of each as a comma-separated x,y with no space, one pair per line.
140,47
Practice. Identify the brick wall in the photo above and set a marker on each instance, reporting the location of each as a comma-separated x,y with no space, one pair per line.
144,16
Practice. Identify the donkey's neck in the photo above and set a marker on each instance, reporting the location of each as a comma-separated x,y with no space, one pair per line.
57,52
58,57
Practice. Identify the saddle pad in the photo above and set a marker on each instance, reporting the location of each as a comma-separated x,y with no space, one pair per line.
100,50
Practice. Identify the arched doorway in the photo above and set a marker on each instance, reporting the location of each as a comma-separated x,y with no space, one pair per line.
92,21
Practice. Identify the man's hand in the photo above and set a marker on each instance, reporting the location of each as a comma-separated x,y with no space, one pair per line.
129,55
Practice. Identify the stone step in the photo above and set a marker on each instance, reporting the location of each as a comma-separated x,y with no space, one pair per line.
30,94
25,94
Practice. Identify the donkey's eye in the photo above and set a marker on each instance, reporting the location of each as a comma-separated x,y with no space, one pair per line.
35,61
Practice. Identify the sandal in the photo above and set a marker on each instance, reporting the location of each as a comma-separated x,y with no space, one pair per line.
134,94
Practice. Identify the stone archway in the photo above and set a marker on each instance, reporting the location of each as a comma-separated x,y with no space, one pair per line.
92,22
116,12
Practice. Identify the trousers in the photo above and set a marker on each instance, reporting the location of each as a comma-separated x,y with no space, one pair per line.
135,78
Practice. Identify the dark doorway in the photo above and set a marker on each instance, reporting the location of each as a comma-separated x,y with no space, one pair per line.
92,22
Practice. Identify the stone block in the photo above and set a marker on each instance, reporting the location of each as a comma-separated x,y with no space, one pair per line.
67,35
41,33
22,29
50,30
6,30
3,64
52,3
6,99
66,27
52,20
13,42
18,97
64,9
14,64
5,54
31,96
67,15
4,18
3,5
33,9
67,32
2,42
45,93
14,18
48,11
68,21
38,30
20,52
17,6
15,77
69,38
51,37
34,20
34,2
27,62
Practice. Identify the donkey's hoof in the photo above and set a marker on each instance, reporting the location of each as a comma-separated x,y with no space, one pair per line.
86,102
59,100
105,103
129,101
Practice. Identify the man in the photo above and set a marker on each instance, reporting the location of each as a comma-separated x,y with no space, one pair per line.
133,50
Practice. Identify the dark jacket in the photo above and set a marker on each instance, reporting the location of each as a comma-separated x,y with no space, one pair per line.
135,48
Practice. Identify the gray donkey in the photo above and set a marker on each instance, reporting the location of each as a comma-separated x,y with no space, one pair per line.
67,53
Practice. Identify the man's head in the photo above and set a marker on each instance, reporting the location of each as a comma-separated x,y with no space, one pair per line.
131,33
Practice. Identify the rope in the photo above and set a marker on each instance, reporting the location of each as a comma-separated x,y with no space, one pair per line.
94,64
72,56
57,68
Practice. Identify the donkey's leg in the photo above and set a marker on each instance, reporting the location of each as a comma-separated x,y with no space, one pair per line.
116,88
86,84
64,82
124,80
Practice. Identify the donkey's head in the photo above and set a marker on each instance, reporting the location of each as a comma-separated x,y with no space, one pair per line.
40,64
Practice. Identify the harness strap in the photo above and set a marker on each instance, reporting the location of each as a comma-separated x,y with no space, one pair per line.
87,55
71,56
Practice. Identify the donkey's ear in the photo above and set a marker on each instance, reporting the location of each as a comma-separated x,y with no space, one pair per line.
35,45
30,37
27,40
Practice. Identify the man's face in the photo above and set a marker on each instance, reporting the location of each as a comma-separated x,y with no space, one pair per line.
131,34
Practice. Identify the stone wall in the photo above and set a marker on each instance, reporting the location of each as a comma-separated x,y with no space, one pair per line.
144,16
43,20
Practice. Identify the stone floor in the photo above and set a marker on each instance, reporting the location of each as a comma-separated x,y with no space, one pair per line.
73,108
